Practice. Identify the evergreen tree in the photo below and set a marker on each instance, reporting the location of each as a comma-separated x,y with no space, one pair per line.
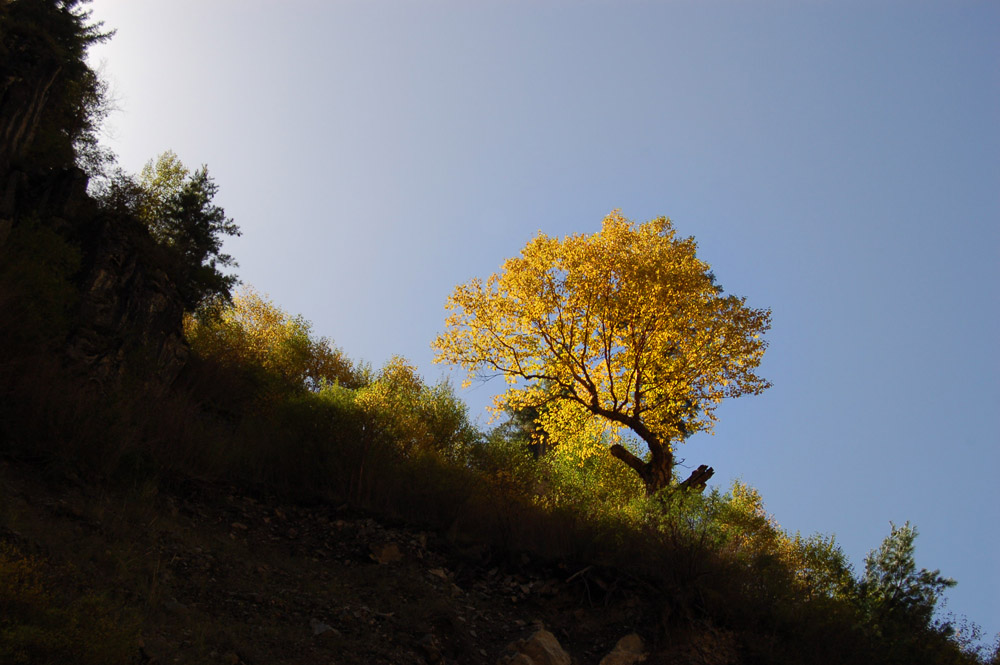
894,597
51,101
178,208
194,227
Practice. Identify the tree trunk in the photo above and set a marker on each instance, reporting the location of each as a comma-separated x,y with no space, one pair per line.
657,473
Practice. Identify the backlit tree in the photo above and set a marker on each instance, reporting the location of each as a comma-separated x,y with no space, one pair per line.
178,208
626,323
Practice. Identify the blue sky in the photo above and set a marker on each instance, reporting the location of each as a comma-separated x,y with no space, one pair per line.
837,162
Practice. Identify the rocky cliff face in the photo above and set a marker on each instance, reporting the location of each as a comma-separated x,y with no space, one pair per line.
130,313
127,316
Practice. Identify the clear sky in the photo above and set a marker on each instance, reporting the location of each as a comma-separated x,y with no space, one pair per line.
838,162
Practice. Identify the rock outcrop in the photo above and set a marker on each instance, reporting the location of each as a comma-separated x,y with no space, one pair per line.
130,313
542,648
628,651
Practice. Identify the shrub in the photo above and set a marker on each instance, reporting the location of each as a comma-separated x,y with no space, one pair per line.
39,626
252,335
418,418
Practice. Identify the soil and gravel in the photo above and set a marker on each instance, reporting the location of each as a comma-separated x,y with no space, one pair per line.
220,574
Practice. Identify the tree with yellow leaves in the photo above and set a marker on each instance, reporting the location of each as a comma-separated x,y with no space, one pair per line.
251,331
626,323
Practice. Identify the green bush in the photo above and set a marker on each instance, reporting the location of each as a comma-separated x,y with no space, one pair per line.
418,418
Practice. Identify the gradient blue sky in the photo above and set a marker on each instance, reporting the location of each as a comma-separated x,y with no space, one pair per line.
838,162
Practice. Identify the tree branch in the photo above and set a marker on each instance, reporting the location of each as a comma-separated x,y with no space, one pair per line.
637,465
698,478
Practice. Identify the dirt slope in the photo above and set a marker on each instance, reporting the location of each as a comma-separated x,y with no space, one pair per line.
215,574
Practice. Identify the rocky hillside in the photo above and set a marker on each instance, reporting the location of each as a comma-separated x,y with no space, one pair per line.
208,573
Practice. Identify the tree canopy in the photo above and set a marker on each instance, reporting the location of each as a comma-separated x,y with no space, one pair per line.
178,208
626,323
892,594
160,180
251,331
194,227
51,101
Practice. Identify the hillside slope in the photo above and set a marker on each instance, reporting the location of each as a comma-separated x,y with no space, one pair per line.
204,572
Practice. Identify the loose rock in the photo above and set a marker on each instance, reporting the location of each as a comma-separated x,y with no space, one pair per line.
387,553
629,650
429,646
318,627
542,648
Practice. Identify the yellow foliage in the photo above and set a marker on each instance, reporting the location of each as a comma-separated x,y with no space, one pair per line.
580,472
575,433
816,562
417,417
252,331
750,526
626,323
160,179
393,401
